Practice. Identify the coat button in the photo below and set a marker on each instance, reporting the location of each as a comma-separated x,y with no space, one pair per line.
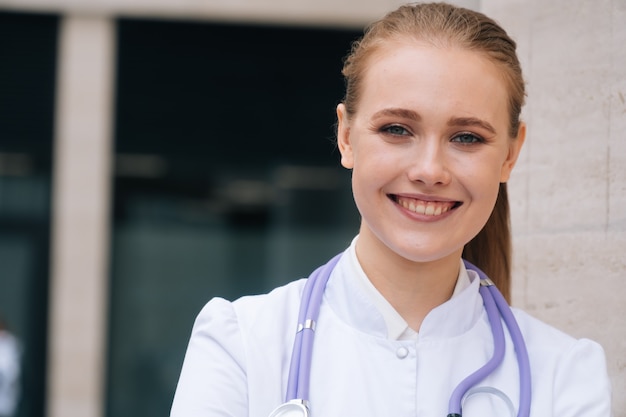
402,352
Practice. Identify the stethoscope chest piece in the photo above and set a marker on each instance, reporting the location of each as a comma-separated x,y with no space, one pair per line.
293,408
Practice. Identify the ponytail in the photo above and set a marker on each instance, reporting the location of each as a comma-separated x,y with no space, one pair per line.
490,250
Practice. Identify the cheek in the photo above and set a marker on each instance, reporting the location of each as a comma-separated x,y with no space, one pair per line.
486,194
481,179
485,187
364,180
482,169
370,175
368,163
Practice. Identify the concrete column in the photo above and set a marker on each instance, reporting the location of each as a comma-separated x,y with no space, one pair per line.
80,224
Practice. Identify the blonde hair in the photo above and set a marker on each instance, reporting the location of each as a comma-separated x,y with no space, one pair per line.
445,25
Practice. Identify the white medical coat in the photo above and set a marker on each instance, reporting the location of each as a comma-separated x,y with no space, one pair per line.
238,357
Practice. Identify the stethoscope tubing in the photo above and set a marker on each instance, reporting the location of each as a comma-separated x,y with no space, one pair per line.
491,295
456,399
497,310
523,362
308,331
300,367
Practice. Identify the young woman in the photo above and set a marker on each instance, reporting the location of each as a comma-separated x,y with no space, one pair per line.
430,129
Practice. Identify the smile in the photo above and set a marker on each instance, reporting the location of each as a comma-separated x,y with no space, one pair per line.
427,208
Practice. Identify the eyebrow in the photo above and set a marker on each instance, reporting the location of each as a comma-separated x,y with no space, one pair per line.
398,112
471,121
454,121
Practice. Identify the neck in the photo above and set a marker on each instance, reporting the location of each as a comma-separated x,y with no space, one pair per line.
412,288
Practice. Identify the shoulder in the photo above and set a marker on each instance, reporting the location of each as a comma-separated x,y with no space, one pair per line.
254,311
573,370
546,341
544,338
275,300
236,347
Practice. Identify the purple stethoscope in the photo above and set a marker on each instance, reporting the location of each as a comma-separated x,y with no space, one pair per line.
297,404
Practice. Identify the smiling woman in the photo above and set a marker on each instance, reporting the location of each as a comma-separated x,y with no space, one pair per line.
445,150
430,129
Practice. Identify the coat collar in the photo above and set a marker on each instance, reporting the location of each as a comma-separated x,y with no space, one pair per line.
354,299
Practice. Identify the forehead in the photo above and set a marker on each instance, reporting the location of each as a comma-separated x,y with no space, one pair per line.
450,81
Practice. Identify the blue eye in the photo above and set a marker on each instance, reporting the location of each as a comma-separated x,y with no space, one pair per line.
395,130
467,139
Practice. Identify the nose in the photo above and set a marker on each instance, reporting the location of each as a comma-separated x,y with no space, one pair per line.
428,163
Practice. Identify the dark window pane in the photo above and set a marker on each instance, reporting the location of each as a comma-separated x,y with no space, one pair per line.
28,46
227,182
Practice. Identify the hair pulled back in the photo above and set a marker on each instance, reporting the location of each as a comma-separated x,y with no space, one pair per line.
444,25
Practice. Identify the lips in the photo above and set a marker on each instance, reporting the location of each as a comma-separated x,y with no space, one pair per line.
426,208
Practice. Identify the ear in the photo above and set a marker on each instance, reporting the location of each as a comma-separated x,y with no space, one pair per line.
514,150
343,137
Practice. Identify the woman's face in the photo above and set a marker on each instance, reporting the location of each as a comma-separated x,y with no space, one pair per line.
428,146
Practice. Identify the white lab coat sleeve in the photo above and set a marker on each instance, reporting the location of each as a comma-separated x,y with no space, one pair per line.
213,378
581,385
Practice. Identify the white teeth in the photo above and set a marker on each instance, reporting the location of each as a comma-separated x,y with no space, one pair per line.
428,208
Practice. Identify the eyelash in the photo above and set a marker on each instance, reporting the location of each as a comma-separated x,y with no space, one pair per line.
398,130
473,137
389,129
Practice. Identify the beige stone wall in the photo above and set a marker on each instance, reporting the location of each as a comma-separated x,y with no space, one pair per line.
569,190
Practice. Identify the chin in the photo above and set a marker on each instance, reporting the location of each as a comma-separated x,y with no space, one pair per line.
417,254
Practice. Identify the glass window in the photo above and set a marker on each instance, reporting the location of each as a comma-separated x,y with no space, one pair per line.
27,76
227,182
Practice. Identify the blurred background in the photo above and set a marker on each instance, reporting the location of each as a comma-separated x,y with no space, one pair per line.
155,154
